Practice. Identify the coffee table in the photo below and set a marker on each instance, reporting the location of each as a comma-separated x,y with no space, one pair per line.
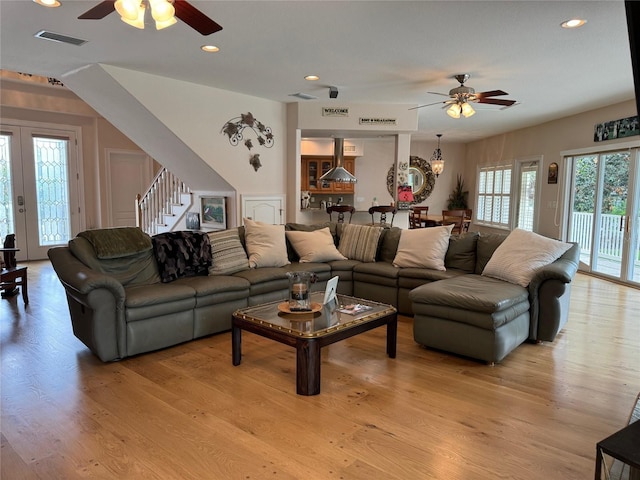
309,332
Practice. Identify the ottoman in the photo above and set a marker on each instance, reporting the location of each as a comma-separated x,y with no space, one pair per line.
471,315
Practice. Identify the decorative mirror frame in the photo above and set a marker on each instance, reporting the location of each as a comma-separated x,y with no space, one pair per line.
429,179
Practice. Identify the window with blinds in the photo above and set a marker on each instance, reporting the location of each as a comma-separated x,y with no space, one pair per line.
494,196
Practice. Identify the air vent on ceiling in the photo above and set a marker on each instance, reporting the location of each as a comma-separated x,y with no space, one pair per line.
58,37
304,96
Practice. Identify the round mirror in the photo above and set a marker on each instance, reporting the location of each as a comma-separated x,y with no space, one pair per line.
420,178
416,179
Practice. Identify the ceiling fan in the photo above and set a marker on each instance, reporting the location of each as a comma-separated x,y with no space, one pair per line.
183,10
461,97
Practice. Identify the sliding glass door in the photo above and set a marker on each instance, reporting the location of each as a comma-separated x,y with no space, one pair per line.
603,217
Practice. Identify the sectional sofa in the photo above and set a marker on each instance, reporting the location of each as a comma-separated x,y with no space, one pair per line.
129,293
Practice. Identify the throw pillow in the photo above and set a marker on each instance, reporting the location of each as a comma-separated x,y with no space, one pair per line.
181,254
227,253
360,242
423,247
316,246
266,244
521,255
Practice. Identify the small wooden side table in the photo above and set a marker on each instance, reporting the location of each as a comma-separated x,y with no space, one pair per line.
623,445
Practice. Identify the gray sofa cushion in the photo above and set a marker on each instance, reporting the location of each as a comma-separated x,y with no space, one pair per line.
461,253
135,269
487,244
389,244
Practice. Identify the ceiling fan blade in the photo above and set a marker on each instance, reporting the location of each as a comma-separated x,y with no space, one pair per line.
99,11
492,93
496,101
195,18
427,105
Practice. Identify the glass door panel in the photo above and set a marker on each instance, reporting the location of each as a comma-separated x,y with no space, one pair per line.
604,213
6,189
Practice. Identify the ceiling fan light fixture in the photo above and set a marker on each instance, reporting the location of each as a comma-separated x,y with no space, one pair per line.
129,9
467,110
165,23
48,3
137,22
454,111
162,11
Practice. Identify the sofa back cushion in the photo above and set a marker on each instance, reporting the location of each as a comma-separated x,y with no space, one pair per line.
181,254
266,244
487,244
360,242
301,227
389,241
133,269
461,253
228,256
315,246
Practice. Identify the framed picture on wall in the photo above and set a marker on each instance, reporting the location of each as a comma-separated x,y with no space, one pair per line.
553,173
193,221
213,212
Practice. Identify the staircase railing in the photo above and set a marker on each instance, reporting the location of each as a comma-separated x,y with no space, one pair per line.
156,204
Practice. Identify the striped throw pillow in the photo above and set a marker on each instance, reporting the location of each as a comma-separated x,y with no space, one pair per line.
227,252
360,242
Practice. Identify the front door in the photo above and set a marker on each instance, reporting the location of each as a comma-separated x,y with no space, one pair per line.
40,184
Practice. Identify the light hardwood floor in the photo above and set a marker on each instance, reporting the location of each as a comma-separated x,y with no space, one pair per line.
187,413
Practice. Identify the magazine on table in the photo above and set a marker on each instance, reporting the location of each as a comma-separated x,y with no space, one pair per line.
354,308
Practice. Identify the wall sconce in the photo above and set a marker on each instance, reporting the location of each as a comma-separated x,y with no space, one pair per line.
437,163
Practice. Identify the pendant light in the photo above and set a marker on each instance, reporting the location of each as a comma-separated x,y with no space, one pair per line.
437,163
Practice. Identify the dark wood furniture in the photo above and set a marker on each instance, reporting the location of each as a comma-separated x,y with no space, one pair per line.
455,217
12,276
309,332
341,210
383,210
624,445
419,218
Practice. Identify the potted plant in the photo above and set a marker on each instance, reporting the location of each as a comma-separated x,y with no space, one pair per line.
458,198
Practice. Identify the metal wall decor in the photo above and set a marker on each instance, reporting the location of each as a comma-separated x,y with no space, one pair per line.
421,187
254,161
235,127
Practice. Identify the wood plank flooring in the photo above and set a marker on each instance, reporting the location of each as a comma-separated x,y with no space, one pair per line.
187,413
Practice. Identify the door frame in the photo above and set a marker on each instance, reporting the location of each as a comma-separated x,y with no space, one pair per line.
517,188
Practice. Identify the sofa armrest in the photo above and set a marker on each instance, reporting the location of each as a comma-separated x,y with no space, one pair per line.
549,294
96,305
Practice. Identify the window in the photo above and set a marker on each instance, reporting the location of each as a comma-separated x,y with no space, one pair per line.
494,196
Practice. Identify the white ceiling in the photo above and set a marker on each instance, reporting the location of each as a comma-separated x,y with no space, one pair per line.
373,51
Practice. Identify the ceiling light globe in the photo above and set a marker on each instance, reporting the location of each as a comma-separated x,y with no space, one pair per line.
467,110
162,11
454,111
165,23
128,9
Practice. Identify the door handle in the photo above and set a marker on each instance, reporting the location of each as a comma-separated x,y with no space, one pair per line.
20,200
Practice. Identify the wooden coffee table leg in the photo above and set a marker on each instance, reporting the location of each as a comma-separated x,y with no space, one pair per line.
236,345
307,367
392,336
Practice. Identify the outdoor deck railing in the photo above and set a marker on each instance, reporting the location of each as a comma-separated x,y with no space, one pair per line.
610,237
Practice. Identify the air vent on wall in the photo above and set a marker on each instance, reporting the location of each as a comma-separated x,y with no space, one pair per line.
58,37
349,149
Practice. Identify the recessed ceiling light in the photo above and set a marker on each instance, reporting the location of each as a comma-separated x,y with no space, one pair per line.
209,48
312,77
48,3
573,23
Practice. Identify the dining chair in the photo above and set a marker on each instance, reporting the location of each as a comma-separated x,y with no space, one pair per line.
418,218
12,276
455,217
341,210
383,210
467,219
